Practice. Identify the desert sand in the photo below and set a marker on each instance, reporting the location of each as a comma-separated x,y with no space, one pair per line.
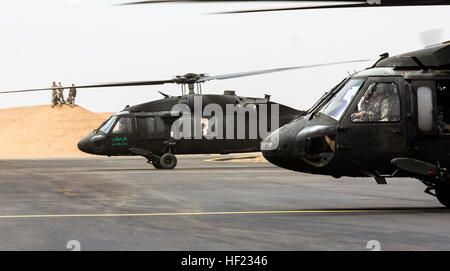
45,132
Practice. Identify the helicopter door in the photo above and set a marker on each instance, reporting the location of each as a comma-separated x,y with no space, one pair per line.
376,122
121,136
146,132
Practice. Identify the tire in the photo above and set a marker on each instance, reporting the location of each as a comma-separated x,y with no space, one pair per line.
443,193
156,164
168,161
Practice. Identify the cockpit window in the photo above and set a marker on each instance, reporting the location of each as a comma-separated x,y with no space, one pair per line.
123,126
107,126
380,103
336,106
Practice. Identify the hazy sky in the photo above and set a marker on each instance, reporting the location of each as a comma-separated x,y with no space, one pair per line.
93,41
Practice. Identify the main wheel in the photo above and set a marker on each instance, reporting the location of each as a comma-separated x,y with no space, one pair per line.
168,161
156,164
443,193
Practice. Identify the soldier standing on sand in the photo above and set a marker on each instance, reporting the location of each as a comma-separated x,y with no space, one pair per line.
72,95
61,94
55,97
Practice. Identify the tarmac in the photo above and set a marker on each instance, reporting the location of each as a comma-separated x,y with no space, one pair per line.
203,204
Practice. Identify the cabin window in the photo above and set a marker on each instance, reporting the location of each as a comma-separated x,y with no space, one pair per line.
425,108
380,103
146,127
123,126
160,128
336,106
443,106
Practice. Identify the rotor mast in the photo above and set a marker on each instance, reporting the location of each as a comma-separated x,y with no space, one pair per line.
191,80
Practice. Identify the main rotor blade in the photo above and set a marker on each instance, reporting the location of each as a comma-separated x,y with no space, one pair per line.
224,1
357,5
181,79
338,4
103,85
251,73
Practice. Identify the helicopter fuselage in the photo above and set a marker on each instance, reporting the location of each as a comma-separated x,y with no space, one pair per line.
320,143
150,129
390,120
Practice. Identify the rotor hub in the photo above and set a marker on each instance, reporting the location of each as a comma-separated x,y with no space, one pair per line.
189,78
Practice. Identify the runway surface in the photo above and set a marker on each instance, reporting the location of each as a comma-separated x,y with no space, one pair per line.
126,204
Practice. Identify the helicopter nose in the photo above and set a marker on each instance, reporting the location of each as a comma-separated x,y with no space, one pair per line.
308,147
93,144
84,144
274,148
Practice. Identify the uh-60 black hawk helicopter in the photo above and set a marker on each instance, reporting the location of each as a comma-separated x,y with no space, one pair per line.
390,120
193,123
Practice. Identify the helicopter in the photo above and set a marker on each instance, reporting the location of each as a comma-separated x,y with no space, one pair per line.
390,120
342,135
192,123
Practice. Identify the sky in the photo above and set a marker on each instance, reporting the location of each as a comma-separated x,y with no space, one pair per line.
95,41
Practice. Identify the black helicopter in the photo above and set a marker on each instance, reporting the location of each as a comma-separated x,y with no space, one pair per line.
390,120
352,131
193,123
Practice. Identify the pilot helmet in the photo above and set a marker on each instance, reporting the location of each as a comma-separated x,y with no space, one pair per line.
382,88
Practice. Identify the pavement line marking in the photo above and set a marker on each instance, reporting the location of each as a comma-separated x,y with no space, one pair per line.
224,213
178,171
226,159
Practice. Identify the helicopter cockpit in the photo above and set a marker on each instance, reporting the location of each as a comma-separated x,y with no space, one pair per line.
125,130
354,117
336,106
115,132
380,103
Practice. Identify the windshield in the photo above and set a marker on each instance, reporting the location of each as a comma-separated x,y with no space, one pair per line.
336,106
107,126
324,96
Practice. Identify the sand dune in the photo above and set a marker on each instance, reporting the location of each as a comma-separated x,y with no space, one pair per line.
45,132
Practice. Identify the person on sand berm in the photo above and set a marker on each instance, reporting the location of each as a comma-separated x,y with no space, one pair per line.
72,95
55,97
61,94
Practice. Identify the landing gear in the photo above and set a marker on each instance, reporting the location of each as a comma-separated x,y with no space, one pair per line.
439,188
436,179
166,161
156,163
442,190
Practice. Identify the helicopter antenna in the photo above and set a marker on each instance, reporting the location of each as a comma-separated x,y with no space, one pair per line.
163,94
